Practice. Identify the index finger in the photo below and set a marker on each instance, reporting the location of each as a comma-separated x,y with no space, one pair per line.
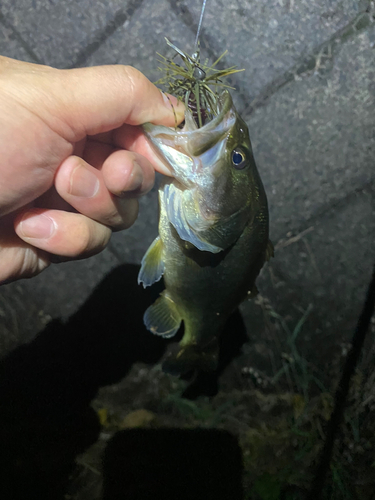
104,98
134,139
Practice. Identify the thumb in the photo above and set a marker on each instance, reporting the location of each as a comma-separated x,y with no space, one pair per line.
102,98
86,101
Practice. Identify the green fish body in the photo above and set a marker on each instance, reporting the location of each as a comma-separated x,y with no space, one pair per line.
213,233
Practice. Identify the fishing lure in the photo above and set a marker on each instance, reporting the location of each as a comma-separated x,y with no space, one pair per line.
193,83
213,226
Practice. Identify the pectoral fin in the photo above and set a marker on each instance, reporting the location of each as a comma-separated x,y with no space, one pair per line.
152,267
162,318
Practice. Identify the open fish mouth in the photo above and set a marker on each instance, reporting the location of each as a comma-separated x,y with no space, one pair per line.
189,151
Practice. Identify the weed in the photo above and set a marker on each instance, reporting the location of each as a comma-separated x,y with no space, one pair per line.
281,454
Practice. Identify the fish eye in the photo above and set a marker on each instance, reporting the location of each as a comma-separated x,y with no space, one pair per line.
238,158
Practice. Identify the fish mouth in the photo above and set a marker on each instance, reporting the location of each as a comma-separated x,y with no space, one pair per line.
179,150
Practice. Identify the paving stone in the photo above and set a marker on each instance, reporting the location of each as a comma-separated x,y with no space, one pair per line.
61,289
314,140
136,43
27,305
57,31
130,246
326,269
267,37
141,37
334,260
300,137
10,45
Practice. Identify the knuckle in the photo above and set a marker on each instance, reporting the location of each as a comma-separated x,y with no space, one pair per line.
136,80
84,241
93,237
34,262
113,218
129,213
122,215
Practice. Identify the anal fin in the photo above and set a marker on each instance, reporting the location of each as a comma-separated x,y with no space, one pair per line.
162,317
152,267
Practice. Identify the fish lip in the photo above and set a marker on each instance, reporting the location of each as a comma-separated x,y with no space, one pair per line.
151,132
225,103
189,143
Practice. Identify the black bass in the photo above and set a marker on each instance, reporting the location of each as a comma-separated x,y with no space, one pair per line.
213,233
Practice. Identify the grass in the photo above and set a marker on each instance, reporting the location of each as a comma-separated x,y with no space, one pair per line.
289,474
295,367
280,427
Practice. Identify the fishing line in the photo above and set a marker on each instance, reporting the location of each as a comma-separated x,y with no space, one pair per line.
200,23
342,391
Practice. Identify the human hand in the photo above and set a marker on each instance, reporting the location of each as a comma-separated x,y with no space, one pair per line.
73,160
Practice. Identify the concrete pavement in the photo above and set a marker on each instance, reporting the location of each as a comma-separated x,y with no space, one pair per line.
308,95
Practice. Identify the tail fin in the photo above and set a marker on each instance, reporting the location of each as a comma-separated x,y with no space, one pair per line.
190,357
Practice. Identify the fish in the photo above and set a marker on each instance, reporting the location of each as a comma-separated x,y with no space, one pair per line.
213,233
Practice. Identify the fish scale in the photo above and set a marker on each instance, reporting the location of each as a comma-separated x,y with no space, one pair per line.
213,233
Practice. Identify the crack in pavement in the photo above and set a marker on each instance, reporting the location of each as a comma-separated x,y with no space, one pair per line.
182,12
19,39
207,42
368,186
120,18
320,60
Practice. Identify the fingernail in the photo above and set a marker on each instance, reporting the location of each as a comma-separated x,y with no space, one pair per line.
37,226
83,183
135,178
172,101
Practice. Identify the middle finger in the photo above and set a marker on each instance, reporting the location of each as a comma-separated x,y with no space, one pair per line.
84,188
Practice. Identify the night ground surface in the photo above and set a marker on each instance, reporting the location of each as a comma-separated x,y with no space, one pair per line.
308,96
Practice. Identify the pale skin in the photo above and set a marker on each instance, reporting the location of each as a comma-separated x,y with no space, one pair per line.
73,159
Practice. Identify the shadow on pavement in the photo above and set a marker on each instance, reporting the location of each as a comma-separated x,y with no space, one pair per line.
46,386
